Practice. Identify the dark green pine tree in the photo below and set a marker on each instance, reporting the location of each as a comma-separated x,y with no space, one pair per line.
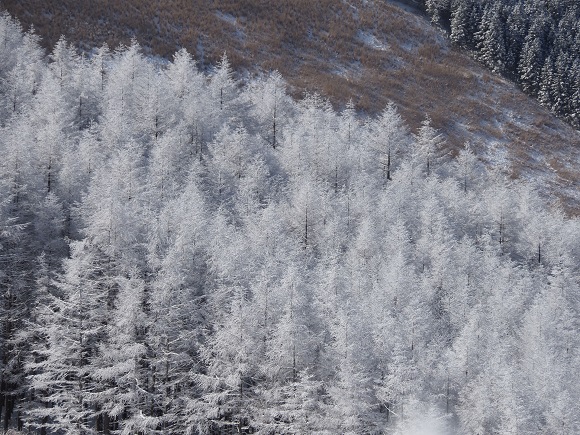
460,22
561,85
439,11
575,99
531,62
545,92
516,28
491,46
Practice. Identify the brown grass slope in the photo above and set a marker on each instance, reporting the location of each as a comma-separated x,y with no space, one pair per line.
370,51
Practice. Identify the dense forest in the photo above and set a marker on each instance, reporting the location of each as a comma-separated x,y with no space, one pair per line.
534,42
183,253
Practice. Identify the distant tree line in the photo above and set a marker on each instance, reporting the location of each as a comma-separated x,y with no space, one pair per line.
534,42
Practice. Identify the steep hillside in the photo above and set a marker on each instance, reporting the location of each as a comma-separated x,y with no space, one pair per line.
371,52
183,255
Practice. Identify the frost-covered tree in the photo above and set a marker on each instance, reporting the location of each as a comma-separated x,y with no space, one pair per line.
62,373
272,106
389,138
120,367
427,143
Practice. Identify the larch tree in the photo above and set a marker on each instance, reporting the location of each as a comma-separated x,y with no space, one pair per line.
119,365
389,138
270,106
62,372
427,142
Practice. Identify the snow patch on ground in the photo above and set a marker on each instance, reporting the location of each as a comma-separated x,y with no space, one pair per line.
409,6
409,46
423,420
370,40
228,18
348,71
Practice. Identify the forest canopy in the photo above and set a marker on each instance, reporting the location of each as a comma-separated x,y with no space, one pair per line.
184,253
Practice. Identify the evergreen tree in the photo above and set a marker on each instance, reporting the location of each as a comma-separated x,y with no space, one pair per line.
531,61
491,48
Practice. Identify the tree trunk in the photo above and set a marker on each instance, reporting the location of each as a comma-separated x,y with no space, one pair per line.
389,165
106,424
306,228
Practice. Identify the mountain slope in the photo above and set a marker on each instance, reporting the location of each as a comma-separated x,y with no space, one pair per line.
372,52
180,254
